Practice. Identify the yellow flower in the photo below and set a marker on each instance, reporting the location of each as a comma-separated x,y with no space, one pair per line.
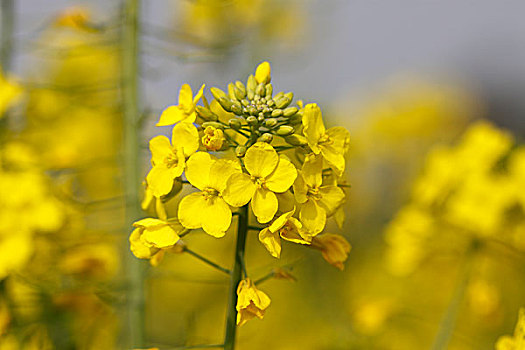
286,227
251,302
268,174
318,200
263,73
76,18
213,138
332,144
169,160
207,208
185,110
516,342
152,235
335,248
9,93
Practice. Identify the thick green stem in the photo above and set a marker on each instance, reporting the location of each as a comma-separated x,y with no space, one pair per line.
231,318
7,21
134,315
448,322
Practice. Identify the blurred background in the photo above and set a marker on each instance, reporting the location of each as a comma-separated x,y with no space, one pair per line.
431,92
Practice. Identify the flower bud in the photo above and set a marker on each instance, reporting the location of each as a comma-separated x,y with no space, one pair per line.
252,120
251,84
263,73
206,114
285,130
260,90
236,108
226,104
288,112
269,91
213,125
277,113
266,137
270,122
252,110
217,93
231,91
242,89
234,123
289,95
282,102
240,151
296,140
213,138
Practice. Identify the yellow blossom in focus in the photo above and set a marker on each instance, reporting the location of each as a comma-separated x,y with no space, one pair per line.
207,208
334,248
317,200
213,138
185,110
332,144
517,341
268,174
152,236
251,302
9,93
286,227
169,159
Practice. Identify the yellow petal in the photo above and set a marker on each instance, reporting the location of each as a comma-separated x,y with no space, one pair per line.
286,201
261,159
313,126
185,136
340,138
221,171
138,248
282,177
280,221
313,171
331,198
160,180
160,148
149,223
294,232
271,241
216,217
171,115
313,217
190,210
264,205
263,73
300,189
335,159
186,98
239,190
198,169
160,236
199,94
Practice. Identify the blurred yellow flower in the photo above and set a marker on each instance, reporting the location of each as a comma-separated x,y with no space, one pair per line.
185,110
517,341
334,248
332,144
9,93
207,208
251,302
268,174
169,159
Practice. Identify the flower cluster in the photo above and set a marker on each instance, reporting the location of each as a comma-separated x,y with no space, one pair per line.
517,341
248,147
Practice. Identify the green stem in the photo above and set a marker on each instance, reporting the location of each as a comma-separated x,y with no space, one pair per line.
448,322
231,318
207,261
134,315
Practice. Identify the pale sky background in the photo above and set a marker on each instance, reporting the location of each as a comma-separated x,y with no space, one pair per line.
352,46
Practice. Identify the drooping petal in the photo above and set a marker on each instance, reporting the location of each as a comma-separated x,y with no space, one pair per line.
261,159
239,190
138,248
185,136
334,248
271,241
264,205
199,94
331,198
281,221
149,223
160,180
313,217
282,177
190,210
294,232
221,171
160,236
171,115
335,159
216,217
198,169
160,148
186,98
313,125
340,138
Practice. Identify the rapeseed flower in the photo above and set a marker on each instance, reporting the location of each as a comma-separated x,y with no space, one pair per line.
517,341
185,110
334,248
251,302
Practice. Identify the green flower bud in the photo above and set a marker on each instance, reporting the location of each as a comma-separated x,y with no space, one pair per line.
289,95
240,151
288,112
285,130
269,91
236,108
240,94
252,110
206,114
245,102
266,137
295,119
251,120
251,84
234,123
260,90
239,85
296,140
277,113
231,91
283,102
270,122
217,93
263,129
213,124
226,104
278,96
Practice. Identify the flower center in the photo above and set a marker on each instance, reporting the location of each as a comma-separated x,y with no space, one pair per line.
259,182
325,139
210,193
314,193
171,160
